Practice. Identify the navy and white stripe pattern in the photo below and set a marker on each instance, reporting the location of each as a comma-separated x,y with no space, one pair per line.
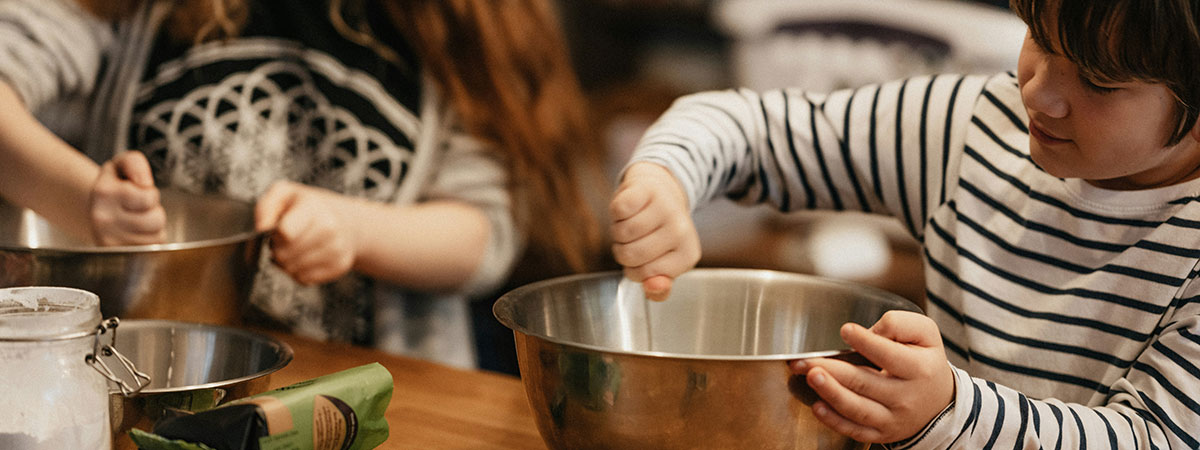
1069,312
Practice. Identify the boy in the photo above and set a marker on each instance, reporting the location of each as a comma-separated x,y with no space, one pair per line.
1058,210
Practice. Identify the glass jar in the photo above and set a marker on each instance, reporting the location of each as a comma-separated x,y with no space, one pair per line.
53,397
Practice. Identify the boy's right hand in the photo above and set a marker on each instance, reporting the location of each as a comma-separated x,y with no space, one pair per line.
652,230
125,207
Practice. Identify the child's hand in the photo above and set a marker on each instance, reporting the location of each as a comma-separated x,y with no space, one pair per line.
309,242
125,207
914,385
652,230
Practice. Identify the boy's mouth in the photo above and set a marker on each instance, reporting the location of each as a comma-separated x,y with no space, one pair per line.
1044,137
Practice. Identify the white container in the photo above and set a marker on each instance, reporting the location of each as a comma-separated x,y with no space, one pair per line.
53,397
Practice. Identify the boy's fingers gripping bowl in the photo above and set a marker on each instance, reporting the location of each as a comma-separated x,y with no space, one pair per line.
717,376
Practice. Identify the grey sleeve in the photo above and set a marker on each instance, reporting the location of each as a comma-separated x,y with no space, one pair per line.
50,49
469,172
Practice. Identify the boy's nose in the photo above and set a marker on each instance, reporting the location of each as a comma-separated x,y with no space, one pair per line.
1044,91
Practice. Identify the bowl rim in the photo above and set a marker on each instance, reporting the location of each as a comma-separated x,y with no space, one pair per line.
244,236
502,310
285,352
164,192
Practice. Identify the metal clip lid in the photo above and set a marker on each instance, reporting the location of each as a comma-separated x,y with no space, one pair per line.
139,378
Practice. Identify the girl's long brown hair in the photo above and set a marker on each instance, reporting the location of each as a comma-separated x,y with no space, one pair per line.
504,66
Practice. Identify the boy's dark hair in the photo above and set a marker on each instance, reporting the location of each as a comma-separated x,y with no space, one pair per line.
1126,40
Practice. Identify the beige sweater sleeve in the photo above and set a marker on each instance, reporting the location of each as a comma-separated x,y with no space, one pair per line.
50,49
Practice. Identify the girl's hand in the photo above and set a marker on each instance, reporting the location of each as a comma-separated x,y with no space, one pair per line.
125,207
652,229
309,240
915,382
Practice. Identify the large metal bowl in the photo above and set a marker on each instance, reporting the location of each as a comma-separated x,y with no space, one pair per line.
704,369
201,274
192,367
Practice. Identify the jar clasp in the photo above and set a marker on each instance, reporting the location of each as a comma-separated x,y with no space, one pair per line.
140,379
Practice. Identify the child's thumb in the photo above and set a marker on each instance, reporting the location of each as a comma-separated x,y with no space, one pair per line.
133,166
657,287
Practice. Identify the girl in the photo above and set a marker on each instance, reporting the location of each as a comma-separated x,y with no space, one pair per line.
397,149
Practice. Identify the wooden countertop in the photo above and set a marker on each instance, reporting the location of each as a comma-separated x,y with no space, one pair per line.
433,406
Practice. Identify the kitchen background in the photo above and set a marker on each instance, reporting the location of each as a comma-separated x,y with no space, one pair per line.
634,57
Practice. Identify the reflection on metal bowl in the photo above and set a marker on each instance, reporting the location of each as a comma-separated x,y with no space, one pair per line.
192,367
201,274
704,369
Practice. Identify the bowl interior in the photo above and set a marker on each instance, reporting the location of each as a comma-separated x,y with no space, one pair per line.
182,356
711,314
191,218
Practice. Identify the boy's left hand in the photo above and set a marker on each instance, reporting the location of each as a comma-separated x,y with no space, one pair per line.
913,385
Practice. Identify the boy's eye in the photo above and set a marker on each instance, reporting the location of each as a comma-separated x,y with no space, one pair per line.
1093,86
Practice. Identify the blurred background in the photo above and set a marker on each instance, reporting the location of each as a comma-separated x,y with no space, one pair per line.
634,57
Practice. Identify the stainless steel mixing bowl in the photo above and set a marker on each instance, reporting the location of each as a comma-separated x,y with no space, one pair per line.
201,274
706,369
192,367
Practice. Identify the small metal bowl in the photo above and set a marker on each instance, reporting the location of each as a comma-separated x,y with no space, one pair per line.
705,369
202,273
192,367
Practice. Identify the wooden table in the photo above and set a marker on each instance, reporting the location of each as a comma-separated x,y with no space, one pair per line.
433,406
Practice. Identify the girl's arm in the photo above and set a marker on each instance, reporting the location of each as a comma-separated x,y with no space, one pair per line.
51,50
41,172
460,237
116,204
320,235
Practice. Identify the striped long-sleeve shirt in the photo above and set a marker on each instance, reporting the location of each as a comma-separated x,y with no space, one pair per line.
1070,313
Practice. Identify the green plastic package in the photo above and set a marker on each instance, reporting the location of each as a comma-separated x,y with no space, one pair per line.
339,411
